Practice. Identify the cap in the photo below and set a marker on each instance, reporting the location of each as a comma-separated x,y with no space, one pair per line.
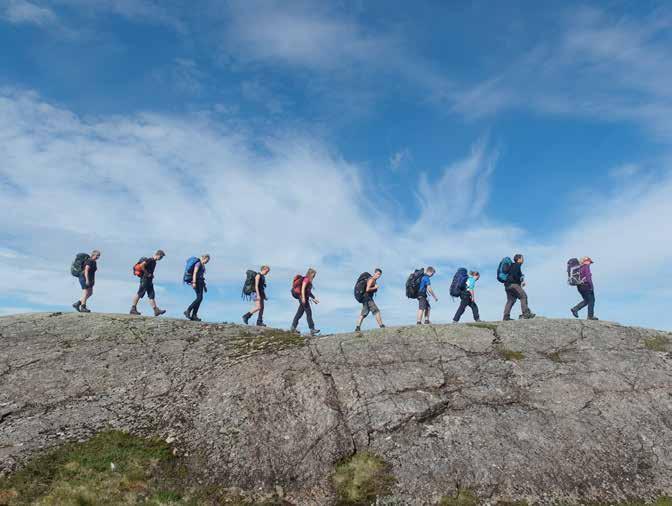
587,259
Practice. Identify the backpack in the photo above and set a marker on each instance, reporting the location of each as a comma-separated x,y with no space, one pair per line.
459,282
360,286
249,285
503,269
189,270
574,272
138,269
77,267
297,282
413,283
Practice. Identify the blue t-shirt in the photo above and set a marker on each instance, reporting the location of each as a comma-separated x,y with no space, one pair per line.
471,283
424,283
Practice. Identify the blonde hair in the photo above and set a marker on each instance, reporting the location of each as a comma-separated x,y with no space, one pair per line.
95,252
205,256
264,267
311,273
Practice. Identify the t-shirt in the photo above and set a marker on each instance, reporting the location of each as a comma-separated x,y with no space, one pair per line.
424,283
309,287
201,270
93,267
471,283
148,269
262,285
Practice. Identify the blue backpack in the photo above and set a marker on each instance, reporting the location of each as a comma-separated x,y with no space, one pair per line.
503,269
459,282
189,270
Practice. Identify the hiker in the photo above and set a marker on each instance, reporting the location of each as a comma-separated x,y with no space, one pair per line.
425,289
467,294
302,289
365,289
144,269
586,289
84,267
509,272
255,287
194,274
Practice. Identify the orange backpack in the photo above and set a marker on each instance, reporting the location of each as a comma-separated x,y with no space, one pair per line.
138,268
296,286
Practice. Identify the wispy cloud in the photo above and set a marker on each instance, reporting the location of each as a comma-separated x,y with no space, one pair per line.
400,158
25,12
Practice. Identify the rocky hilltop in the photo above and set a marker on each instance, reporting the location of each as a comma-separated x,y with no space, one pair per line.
540,411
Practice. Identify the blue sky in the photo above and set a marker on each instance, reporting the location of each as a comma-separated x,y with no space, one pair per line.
340,135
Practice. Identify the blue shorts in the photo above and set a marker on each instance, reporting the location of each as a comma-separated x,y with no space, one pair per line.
82,282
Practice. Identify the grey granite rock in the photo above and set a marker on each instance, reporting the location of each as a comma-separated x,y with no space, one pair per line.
557,410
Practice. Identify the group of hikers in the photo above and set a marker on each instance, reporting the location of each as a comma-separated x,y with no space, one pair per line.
418,286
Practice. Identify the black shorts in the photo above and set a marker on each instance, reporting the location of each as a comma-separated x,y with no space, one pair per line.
82,282
146,287
423,303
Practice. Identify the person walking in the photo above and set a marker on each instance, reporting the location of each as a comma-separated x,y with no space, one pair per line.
195,276
85,268
468,298
514,287
302,289
370,289
586,290
258,297
425,289
144,269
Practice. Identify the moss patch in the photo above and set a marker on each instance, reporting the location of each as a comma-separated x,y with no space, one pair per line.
361,479
112,468
464,497
658,343
555,356
248,343
507,354
484,325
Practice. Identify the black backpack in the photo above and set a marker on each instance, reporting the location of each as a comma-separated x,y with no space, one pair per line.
413,283
360,286
249,285
77,267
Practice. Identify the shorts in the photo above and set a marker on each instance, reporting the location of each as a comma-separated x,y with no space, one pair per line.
369,306
423,303
146,287
82,282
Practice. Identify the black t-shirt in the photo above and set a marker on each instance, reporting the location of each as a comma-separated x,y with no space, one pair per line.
515,275
262,285
93,267
148,270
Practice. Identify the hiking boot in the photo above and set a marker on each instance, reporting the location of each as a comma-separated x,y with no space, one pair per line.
427,322
507,319
314,332
187,315
76,305
294,330
195,319
574,312
158,312
594,318
527,316
358,328
382,326
83,309
246,318
478,320
456,321
261,324
134,310
418,323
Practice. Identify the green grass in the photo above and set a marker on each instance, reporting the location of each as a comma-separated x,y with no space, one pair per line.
81,474
269,341
464,497
361,479
658,343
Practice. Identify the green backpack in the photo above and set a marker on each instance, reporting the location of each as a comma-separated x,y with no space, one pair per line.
77,268
249,285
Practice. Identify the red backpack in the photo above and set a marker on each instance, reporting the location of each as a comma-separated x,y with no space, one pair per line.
296,286
138,269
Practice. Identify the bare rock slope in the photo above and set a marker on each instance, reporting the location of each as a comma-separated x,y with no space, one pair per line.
557,410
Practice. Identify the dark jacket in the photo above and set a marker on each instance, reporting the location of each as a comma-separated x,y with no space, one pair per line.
516,276
587,276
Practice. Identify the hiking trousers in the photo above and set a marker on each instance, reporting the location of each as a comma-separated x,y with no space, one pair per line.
465,302
192,310
588,295
513,293
304,308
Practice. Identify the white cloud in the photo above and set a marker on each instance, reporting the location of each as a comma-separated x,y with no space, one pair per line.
22,11
400,158
129,185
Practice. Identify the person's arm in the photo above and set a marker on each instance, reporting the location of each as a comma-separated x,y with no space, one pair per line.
257,278
303,292
431,292
371,285
87,268
196,269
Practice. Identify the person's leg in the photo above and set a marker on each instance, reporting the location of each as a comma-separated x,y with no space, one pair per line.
591,303
377,314
511,298
427,311
522,296
261,303
309,316
464,302
192,310
582,304
474,310
298,316
363,314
